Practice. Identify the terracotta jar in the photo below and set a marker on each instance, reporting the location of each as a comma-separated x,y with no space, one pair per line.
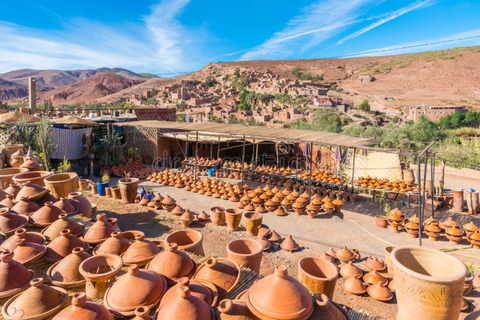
53,231
265,302
148,288
64,205
99,272
186,307
388,261
10,285
319,276
252,222
172,264
325,310
37,302
234,310
46,215
33,237
421,276
83,310
27,252
62,246
140,252
289,244
222,272
116,244
83,206
10,222
31,191
350,270
188,240
246,252
100,230
202,289
65,273
233,218
217,216
25,207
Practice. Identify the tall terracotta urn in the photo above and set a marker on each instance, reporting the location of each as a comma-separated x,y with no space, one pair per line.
428,283
458,200
128,189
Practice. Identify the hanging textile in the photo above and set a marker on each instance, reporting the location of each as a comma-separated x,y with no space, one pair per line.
69,143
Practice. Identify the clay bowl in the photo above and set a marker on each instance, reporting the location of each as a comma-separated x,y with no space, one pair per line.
188,240
131,234
36,177
7,174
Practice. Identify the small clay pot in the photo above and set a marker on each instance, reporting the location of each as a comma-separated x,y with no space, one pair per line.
233,218
349,270
246,252
355,286
319,276
188,240
217,216
65,273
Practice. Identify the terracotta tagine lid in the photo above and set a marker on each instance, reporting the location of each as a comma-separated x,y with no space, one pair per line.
62,246
83,310
186,307
202,289
46,215
22,233
13,189
37,302
172,264
325,310
203,216
288,244
178,211
116,244
222,272
274,236
373,277
264,300
168,201
140,252
380,292
470,228
280,211
146,287
234,310
187,216
355,285
10,222
53,231
30,163
65,273
449,223
25,207
350,270
266,244
8,201
65,206
373,263
100,230
10,285
344,254
27,252
31,191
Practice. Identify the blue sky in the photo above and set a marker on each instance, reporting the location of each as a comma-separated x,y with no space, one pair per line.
171,36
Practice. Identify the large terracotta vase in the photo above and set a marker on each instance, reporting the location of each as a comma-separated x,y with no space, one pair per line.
246,252
83,206
128,189
318,275
188,240
233,218
62,184
252,221
428,283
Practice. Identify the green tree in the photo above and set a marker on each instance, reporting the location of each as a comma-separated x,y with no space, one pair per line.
365,105
210,81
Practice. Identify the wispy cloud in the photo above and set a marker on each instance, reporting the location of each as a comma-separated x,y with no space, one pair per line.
317,23
391,16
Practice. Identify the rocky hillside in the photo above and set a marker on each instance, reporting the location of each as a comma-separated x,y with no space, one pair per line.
90,90
435,77
11,90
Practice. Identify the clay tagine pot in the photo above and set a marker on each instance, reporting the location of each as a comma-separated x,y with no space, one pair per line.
13,189
65,273
172,264
37,302
99,272
12,285
8,201
25,207
326,310
116,244
31,191
373,263
355,286
202,289
345,255
186,307
146,287
222,272
288,244
349,270
64,205
140,252
380,292
373,277
234,310
22,233
11,222
187,218
142,313
27,252
46,215
99,231
81,309
274,236
264,301
53,231
62,246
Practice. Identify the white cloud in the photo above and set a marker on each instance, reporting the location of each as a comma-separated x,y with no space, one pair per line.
389,17
317,23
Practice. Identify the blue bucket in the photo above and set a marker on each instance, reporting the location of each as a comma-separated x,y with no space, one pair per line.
211,172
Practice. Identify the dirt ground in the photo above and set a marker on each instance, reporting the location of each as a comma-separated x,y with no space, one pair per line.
157,224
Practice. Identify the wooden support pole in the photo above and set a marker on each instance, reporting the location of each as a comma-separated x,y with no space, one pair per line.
243,159
196,160
310,174
353,170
